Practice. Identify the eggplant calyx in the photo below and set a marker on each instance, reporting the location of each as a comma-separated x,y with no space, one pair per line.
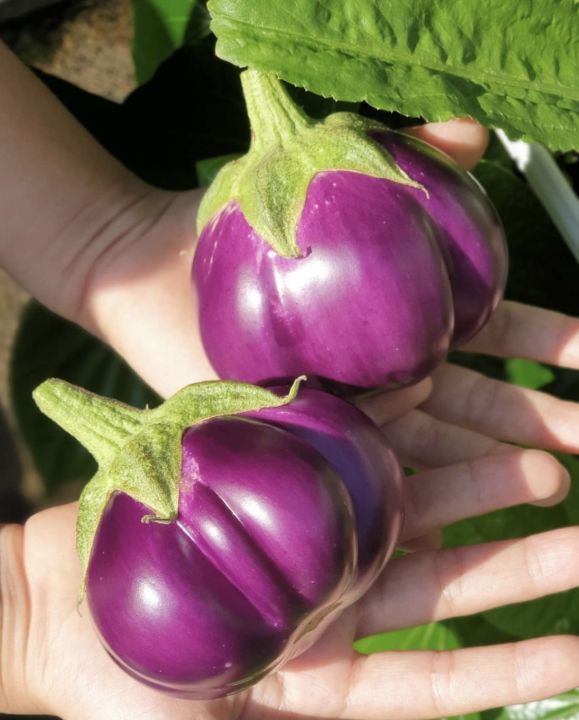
288,149
139,451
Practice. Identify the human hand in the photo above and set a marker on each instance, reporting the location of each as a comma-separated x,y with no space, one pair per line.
56,664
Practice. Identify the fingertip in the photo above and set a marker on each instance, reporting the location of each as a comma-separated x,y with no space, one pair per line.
464,139
548,479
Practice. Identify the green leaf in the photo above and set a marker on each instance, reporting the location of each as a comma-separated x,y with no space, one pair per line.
476,631
47,346
549,615
508,63
528,373
159,29
559,707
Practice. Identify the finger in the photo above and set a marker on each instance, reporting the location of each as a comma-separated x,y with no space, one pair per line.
422,441
386,406
517,330
431,685
430,540
437,498
462,581
505,411
463,139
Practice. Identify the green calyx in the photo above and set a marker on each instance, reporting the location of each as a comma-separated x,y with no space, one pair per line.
288,149
139,451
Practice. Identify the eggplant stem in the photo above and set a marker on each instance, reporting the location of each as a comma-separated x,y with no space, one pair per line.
102,425
273,115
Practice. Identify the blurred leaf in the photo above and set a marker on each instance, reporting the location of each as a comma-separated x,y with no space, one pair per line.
198,28
476,631
159,29
527,373
559,707
48,346
433,636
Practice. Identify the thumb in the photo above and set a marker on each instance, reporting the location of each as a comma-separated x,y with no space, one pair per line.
462,138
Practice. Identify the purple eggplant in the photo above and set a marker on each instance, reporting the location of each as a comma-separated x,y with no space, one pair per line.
226,529
341,249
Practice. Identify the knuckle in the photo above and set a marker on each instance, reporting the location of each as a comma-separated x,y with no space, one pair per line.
537,573
442,673
483,397
447,568
502,324
522,678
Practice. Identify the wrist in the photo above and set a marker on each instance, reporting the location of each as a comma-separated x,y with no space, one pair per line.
138,295
54,265
100,234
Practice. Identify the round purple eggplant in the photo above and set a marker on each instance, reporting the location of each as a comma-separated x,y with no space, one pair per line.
222,534
341,250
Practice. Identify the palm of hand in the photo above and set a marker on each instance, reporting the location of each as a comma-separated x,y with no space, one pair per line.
75,658
331,680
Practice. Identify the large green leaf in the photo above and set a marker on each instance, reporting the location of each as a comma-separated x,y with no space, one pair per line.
48,346
509,63
159,29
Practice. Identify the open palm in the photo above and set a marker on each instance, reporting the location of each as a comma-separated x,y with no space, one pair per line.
331,680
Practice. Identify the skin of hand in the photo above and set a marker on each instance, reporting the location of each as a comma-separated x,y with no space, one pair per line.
114,255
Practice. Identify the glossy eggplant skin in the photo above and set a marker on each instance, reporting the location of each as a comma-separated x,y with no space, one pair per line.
469,230
258,562
390,277
356,449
